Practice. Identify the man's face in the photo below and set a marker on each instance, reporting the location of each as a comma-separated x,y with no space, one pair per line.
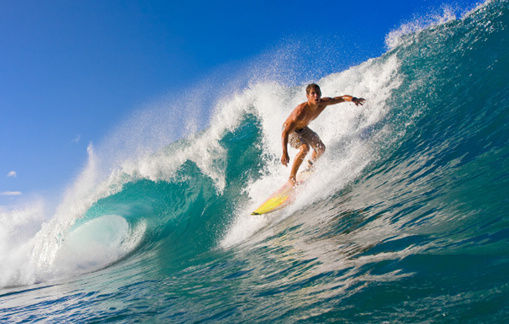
314,96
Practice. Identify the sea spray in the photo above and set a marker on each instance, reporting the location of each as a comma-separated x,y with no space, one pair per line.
350,137
404,221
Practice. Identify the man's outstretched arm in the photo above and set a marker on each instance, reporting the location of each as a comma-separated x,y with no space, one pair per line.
347,98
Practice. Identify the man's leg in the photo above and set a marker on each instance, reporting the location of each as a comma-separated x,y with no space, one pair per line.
318,150
303,150
316,143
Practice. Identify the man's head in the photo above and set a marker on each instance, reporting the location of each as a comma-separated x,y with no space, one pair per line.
313,92
313,86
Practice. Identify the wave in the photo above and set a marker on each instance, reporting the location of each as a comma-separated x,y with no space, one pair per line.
422,159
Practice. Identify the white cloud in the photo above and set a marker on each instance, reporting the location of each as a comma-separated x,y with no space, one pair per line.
11,193
11,174
76,139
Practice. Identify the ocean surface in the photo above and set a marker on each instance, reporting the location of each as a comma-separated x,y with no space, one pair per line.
404,220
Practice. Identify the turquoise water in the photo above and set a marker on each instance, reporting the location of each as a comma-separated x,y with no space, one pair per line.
404,220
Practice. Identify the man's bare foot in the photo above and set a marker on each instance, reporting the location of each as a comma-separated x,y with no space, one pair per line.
310,166
292,181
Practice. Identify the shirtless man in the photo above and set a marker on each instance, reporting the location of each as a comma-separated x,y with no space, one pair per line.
297,132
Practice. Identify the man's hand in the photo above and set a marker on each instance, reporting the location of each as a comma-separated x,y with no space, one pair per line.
285,159
358,101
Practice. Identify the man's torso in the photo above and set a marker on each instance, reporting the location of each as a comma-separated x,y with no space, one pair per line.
305,113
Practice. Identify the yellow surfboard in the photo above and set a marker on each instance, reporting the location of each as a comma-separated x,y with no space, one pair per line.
283,196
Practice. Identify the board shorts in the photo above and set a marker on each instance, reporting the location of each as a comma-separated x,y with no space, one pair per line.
305,136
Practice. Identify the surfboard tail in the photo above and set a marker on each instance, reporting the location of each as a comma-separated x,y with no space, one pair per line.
283,196
272,204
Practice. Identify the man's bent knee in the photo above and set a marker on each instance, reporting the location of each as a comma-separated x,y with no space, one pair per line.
320,148
304,148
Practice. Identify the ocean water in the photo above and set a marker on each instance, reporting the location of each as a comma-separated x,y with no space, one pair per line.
405,219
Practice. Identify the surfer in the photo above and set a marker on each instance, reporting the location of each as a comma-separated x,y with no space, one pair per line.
300,136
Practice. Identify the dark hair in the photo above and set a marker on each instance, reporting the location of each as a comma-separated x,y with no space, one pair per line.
313,86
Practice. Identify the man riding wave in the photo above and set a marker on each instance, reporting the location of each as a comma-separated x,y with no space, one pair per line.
299,135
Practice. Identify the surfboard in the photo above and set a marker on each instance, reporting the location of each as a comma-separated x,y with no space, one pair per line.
283,196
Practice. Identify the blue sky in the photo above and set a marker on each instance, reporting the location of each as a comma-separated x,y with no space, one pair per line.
72,70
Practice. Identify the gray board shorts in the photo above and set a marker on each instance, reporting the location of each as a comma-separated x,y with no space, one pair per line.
304,136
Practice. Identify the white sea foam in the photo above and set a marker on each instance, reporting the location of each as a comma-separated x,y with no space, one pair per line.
447,13
343,129
17,227
398,36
